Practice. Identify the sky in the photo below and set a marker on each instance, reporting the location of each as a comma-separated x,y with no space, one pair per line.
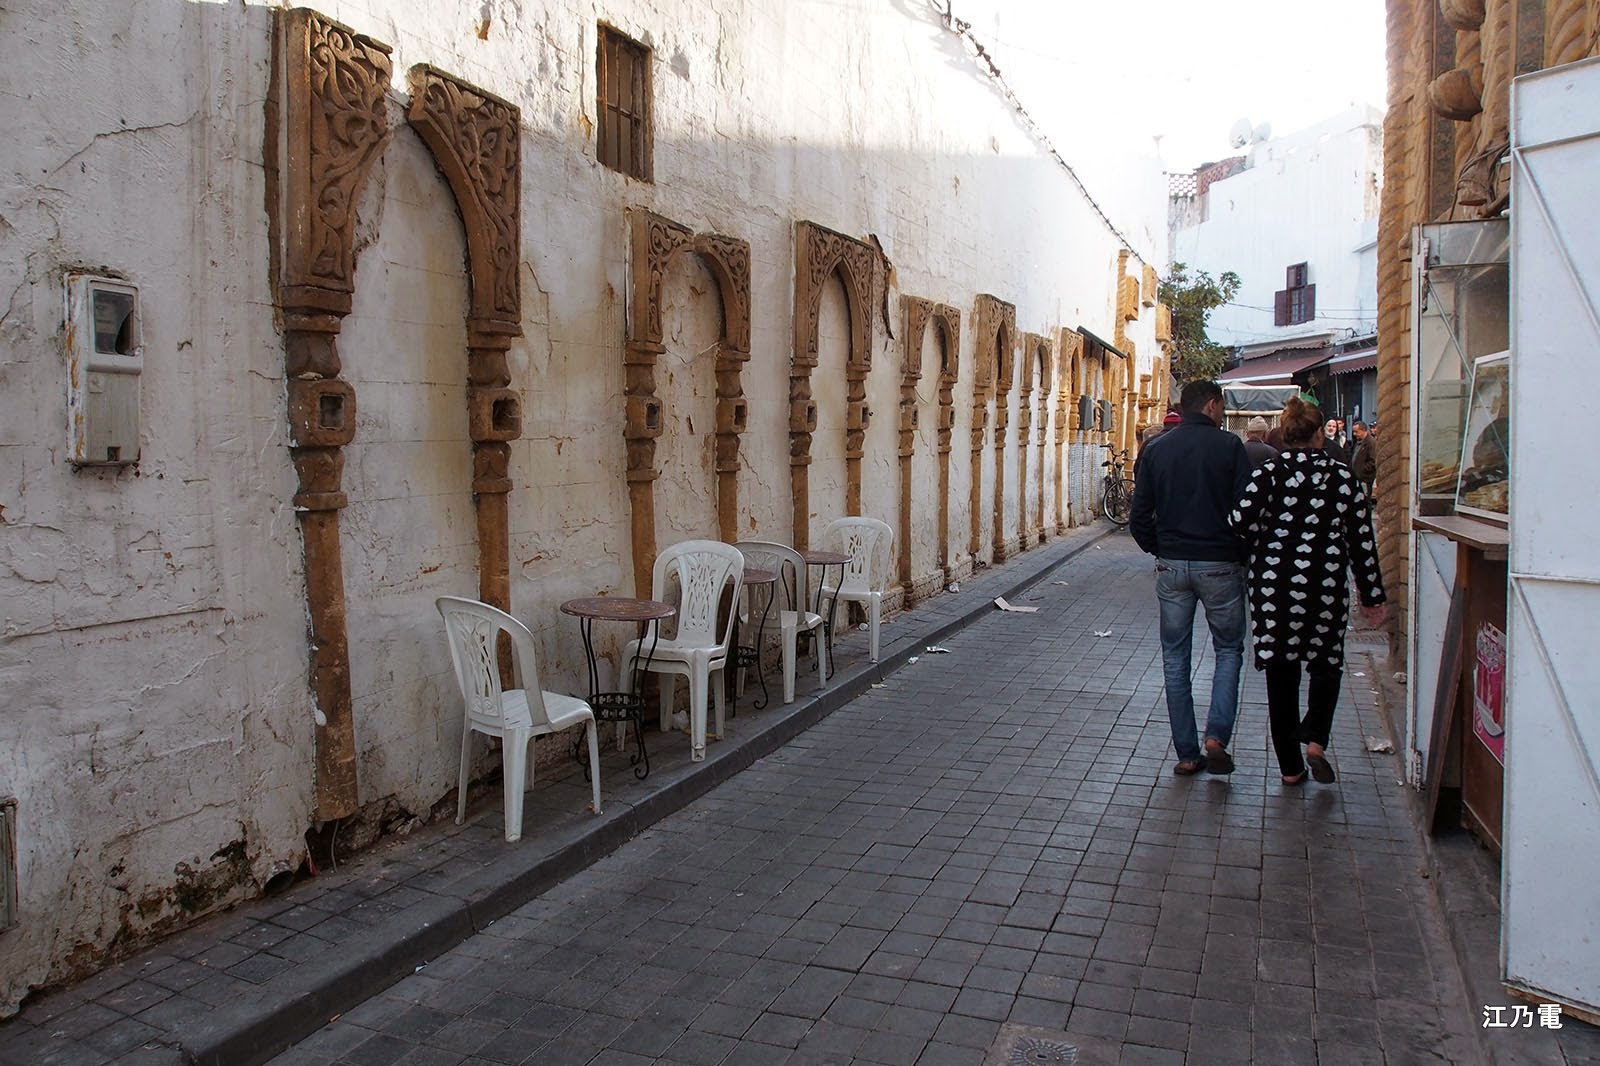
1182,70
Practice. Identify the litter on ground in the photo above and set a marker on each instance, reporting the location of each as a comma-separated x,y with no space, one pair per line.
1000,602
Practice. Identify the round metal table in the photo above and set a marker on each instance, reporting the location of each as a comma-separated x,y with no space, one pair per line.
620,706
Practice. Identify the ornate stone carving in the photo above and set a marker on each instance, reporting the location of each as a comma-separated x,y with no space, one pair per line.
328,97
819,254
326,124
994,324
729,259
655,242
476,140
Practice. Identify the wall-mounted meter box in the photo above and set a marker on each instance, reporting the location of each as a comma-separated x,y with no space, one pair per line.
105,360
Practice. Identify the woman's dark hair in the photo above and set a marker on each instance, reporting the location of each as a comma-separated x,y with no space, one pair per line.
1300,421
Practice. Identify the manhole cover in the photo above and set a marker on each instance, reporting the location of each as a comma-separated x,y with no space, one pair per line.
1020,1045
1031,1051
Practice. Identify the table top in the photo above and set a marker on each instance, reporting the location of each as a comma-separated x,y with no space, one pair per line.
752,576
1485,536
819,558
618,608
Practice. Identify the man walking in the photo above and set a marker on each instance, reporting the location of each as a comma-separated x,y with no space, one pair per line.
1181,500
1364,455
1256,447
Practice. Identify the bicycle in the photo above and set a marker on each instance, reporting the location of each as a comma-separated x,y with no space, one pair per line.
1116,498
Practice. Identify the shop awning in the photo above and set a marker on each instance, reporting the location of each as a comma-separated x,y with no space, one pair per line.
1351,362
1275,369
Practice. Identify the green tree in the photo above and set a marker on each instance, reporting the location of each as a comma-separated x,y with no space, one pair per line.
1192,299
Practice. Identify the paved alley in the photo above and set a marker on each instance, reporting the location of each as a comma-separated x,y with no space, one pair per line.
991,839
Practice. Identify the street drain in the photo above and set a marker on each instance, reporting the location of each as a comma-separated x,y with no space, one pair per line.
1020,1045
1032,1052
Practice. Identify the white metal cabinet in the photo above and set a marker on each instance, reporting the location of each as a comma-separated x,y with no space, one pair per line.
1550,893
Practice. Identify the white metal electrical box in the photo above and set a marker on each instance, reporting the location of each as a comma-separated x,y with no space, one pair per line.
105,360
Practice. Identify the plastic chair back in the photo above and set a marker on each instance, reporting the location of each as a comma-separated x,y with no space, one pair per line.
473,630
780,559
703,568
869,543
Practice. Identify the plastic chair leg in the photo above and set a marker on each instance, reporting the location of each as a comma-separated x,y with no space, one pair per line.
466,764
719,697
667,684
594,763
514,771
698,682
790,634
874,606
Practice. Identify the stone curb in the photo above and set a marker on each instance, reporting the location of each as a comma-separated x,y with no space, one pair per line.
248,1034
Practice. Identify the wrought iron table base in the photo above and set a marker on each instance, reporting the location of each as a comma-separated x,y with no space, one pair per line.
620,707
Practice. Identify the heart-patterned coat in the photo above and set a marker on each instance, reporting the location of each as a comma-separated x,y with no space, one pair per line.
1306,521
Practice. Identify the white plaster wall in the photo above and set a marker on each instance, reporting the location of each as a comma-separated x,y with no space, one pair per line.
1309,197
686,381
409,534
154,648
156,725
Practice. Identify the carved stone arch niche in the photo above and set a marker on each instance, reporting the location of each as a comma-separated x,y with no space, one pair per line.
326,125
655,242
1069,356
819,254
1039,354
994,324
947,323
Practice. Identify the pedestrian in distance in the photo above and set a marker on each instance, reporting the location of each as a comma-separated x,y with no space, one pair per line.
1174,416
1255,442
1330,441
1181,500
1306,522
1364,455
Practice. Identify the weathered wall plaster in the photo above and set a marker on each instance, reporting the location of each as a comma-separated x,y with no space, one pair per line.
158,728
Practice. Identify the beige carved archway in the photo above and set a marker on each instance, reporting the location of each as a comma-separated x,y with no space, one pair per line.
994,327
1069,357
656,242
819,253
947,320
326,125
1040,356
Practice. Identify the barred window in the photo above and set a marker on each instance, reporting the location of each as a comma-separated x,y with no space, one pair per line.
623,76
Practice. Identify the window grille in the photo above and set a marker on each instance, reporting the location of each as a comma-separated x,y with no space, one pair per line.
623,78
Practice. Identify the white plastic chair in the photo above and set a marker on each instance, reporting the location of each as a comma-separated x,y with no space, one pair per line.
704,569
870,544
792,614
515,715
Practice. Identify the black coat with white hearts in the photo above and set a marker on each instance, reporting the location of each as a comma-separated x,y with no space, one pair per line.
1306,519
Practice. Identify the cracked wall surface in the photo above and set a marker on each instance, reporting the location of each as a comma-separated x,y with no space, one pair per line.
158,727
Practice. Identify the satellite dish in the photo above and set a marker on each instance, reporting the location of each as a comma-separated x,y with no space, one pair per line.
1261,133
1239,133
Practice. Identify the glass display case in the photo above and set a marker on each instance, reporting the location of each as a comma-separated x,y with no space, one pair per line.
1461,307
1483,487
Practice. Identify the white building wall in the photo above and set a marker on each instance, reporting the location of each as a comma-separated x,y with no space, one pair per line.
157,730
1308,197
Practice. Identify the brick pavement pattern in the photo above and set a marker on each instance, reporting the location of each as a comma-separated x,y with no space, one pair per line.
992,837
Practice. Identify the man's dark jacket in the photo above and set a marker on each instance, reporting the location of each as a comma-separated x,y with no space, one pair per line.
1364,460
1187,484
1259,451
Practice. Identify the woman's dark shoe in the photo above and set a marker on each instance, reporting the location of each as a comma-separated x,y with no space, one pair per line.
1321,768
1218,761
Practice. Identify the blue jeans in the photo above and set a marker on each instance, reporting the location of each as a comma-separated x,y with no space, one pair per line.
1220,587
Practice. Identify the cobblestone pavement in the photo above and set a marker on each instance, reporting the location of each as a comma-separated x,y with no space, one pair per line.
992,838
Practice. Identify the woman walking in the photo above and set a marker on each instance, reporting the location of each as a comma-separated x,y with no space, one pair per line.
1305,521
